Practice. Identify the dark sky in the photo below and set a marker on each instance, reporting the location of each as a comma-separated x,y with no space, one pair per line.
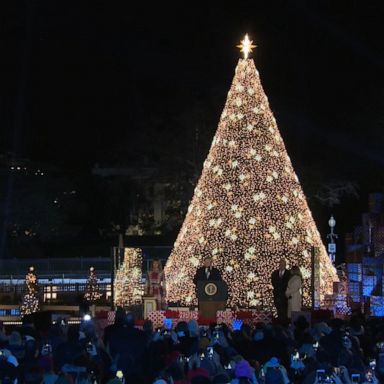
105,81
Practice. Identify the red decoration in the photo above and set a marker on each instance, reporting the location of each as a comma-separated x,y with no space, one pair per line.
243,315
171,314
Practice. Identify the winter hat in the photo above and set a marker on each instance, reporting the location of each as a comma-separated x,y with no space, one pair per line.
237,358
181,326
307,349
197,372
337,324
243,369
29,338
323,328
204,343
357,330
15,338
272,363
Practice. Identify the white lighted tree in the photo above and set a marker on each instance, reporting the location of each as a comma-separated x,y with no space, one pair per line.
92,292
248,208
128,285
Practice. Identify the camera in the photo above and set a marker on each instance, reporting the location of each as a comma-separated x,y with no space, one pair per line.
120,375
89,347
46,349
295,356
320,375
346,341
380,346
372,364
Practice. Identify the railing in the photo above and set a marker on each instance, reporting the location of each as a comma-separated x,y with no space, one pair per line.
74,267
58,288
49,268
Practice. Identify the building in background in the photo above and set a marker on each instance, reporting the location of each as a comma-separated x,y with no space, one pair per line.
365,259
152,201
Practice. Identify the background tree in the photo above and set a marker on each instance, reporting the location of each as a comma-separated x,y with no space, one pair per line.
31,297
92,292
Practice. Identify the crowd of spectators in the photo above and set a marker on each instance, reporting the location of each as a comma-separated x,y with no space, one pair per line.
337,351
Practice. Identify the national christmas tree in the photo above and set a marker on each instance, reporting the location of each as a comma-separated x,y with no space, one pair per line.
92,292
31,297
248,209
128,281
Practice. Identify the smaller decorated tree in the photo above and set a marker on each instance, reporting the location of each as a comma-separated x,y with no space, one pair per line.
31,297
128,281
92,292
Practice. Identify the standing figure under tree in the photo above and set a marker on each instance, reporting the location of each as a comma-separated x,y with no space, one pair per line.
92,293
279,279
31,296
156,283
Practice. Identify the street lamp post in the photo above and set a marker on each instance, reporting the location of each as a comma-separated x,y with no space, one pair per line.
332,236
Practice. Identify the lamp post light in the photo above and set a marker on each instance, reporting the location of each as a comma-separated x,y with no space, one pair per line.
332,236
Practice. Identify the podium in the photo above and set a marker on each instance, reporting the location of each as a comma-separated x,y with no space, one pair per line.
149,305
212,296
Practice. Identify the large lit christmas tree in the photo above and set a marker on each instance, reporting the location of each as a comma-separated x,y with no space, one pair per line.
31,297
248,208
92,292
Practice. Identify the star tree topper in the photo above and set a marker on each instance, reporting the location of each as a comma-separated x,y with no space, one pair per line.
246,46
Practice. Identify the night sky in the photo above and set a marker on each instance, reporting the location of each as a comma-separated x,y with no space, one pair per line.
114,83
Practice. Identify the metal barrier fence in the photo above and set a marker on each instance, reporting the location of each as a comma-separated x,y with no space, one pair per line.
19,289
74,267
49,268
